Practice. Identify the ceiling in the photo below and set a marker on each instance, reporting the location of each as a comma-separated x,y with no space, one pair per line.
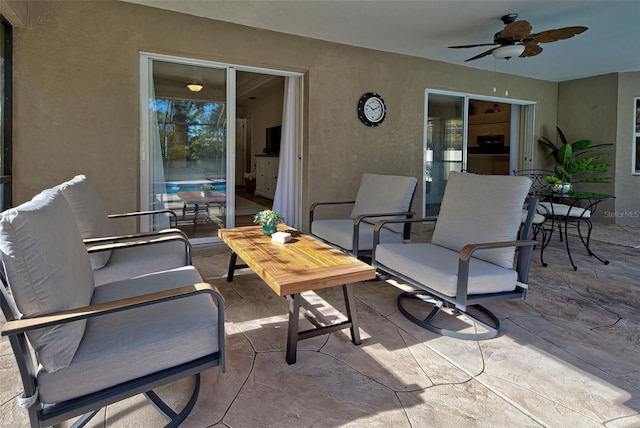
425,28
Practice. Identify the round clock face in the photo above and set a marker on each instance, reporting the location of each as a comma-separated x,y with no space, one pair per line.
371,109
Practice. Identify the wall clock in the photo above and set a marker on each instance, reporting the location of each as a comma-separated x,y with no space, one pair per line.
371,109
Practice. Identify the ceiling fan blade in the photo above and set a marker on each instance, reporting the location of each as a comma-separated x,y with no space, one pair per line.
472,46
530,49
517,30
555,35
483,54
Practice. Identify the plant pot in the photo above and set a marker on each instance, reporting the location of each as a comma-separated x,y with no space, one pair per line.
560,189
206,193
269,229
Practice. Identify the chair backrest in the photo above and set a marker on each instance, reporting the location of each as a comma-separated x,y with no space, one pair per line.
48,270
539,185
384,194
89,213
481,208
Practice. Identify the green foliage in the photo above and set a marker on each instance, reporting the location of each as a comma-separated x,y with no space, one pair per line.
268,218
571,160
207,187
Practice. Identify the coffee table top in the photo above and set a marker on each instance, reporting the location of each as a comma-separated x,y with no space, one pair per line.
302,264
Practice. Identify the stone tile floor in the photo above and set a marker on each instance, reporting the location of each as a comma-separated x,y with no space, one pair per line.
567,356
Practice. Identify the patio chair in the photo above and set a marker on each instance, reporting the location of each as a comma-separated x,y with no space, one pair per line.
125,256
470,259
379,196
78,347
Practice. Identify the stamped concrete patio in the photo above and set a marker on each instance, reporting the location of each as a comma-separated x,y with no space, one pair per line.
567,356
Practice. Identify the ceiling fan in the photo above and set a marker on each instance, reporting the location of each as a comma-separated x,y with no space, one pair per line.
516,39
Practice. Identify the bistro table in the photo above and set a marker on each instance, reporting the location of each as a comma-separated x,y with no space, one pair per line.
201,202
572,207
303,264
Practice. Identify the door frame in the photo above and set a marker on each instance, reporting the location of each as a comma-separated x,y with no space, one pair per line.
145,59
524,129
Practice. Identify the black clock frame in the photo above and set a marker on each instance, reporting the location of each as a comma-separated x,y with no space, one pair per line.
363,117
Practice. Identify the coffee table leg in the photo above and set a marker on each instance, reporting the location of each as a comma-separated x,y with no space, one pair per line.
352,314
232,266
292,333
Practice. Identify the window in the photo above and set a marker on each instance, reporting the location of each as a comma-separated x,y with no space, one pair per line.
635,157
6,50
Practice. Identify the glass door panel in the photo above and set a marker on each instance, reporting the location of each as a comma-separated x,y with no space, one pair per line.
444,146
188,146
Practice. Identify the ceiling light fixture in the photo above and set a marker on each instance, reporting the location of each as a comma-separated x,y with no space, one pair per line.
508,51
194,87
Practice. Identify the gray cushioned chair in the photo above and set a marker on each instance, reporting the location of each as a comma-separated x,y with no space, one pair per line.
379,196
94,346
470,259
119,257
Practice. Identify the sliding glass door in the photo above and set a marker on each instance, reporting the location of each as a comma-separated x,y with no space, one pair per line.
187,135
444,147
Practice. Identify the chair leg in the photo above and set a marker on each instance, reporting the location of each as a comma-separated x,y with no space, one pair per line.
175,419
492,329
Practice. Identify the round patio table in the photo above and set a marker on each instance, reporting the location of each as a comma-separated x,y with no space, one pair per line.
582,202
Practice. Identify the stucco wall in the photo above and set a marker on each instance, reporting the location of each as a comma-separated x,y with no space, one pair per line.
627,212
76,104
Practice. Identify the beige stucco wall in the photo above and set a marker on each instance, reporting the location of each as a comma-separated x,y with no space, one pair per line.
76,97
587,110
601,109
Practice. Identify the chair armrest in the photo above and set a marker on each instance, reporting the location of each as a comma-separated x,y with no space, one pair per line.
137,243
172,214
140,235
27,324
469,249
110,245
381,223
317,204
361,217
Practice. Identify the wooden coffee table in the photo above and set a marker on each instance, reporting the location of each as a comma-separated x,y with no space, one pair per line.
303,264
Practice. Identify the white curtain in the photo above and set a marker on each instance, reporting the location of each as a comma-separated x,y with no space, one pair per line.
284,200
157,182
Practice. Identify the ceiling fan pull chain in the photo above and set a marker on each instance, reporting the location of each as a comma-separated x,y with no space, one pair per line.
495,62
506,81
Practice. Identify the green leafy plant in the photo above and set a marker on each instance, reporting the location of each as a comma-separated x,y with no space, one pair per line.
571,160
268,218
208,187
555,180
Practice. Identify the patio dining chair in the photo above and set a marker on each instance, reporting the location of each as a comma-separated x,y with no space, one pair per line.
78,347
114,257
379,196
470,259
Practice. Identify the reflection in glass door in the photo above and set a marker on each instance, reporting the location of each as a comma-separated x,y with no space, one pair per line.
445,128
187,149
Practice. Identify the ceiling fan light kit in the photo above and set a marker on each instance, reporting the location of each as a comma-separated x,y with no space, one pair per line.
509,51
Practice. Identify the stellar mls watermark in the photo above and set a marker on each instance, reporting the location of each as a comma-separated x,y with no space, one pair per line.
622,214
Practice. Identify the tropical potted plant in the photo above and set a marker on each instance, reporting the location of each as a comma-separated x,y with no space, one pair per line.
269,221
571,161
207,190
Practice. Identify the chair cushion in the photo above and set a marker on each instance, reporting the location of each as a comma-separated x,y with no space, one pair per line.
436,268
537,218
481,208
134,343
563,210
48,270
339,232
384,194
126,263
90,215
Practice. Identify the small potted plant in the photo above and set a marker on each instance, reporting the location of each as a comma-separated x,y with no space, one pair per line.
207,190
269,221
558,186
